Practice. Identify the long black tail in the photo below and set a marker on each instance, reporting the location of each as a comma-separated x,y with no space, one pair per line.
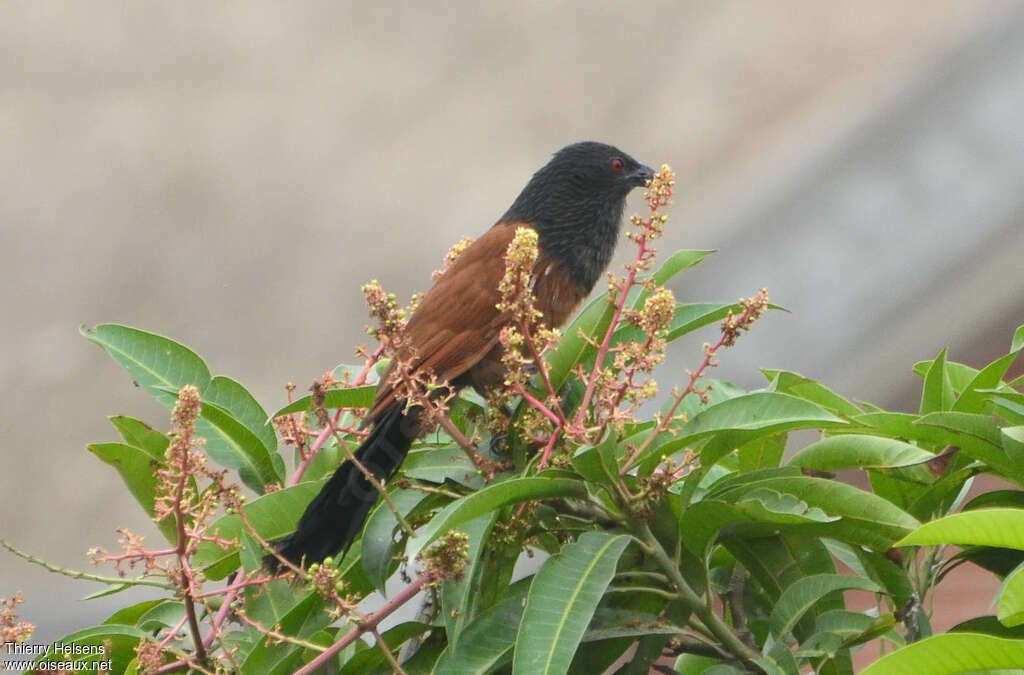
336,515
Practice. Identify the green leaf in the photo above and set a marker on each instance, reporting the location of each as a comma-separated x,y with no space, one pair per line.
901,486
236,400
776,562
138,471
302,618
978,527
786,382
901,426
1009,404
372,660
981,427
855,451
762,453
351,397
1011,599
1018,339
804,593
676,263
609,623
325,462
562,600
761,411
1013,443
167,614
379,534
130,614
598,463
1010,498
960,375
486,641
152,360
140,435
273,515
989,625
590,324
950,654
977,436
938,392
711,452
688,317
942,495
233,445
107,641
973,398
439,465
842,622
691,664
892,577
458,596
746,417
489,498
866,519
703,520
112,589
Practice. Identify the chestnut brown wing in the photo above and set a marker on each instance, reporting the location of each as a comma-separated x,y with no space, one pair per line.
458,321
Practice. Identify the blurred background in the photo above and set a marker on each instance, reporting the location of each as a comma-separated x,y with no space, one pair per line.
229,173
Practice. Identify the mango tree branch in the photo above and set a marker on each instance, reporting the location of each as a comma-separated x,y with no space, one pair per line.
370,624
77,574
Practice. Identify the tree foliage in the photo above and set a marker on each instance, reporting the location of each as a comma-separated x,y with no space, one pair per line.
690,533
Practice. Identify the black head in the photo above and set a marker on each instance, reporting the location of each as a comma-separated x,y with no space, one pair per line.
575,203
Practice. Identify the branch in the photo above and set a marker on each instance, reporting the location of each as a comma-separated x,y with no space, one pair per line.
715,625
369,625
314,450
325,433
736,607
602,350
76,574
395,667
643,589
731,326
187,578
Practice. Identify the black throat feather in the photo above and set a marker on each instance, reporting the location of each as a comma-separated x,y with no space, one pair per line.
577,226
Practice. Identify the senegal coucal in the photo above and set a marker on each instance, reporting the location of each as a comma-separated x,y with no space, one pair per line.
575,204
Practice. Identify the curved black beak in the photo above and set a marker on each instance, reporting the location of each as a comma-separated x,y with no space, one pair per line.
642,174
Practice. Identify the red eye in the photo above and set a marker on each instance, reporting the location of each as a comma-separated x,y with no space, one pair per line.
617,164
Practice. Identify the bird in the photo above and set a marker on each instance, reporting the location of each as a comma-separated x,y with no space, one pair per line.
575,204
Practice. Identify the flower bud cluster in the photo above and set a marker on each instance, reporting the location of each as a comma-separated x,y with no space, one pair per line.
183,456
753,308
447,558
384,308
12,629
516,287
453,254
150,656
326,580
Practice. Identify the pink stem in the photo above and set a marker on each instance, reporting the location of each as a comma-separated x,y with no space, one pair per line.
691,387
314,450
539,405
300,470
547,450
368,625
235,587
602,351
173,631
